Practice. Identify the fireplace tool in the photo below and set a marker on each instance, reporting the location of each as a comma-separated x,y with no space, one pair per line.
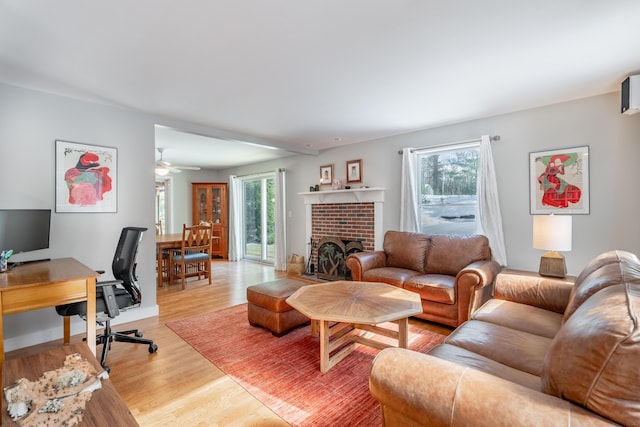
309,270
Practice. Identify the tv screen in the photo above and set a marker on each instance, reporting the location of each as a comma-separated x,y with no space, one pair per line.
24,230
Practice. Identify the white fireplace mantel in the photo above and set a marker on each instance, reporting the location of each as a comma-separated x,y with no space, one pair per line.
353,195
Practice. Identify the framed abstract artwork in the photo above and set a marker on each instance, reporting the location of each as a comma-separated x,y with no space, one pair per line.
86,178
354,171
559,181
326,175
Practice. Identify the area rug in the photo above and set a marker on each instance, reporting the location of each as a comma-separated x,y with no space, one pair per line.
284,373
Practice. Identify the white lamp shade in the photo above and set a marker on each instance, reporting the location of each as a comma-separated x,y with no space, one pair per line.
161,171
552,232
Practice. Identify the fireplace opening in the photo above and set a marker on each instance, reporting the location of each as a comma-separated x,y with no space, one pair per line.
332,254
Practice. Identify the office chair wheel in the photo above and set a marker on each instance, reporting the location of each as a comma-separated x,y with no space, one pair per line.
138,334
153,348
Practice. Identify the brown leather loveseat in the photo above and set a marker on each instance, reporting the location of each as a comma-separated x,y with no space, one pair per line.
543,352
453,274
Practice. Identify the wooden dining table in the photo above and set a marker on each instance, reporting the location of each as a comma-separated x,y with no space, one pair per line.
166,242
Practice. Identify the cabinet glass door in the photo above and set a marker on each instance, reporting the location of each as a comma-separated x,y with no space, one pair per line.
202,206
259,219
216,205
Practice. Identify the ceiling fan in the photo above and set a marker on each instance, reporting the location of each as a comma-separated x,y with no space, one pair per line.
164,168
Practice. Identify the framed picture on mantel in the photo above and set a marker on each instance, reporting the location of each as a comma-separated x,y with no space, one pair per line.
326,175
354,171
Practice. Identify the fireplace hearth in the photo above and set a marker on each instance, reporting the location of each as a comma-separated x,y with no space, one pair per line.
332,254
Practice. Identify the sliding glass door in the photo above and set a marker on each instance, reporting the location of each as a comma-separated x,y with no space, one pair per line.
259,218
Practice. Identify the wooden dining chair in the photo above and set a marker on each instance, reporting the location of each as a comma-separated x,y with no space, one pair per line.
194,256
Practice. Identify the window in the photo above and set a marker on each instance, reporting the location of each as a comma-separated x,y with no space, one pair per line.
447,178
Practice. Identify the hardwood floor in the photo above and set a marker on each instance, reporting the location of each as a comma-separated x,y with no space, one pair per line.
176,385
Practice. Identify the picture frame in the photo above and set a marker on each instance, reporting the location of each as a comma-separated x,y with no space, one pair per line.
354,170
326,174
86,177
559,181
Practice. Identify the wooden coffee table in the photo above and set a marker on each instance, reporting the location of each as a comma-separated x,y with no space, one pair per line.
347,310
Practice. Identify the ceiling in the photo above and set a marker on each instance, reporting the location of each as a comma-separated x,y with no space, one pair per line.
189,149
304,76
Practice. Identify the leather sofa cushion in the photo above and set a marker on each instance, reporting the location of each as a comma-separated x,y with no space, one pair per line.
473,360
611,268
433,287
593,360
517,349
391,275
522,317
448,254
406,250
527,287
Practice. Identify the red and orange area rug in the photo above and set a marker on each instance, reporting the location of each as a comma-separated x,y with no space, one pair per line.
284,373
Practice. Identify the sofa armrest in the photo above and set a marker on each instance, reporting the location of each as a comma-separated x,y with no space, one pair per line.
416,389
360,262
530,288
474,287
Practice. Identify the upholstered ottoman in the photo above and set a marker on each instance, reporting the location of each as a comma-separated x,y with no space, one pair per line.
267,306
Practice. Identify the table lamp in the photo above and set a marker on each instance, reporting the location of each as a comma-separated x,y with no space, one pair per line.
552,233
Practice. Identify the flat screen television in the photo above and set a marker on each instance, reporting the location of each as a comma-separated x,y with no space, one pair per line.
24,230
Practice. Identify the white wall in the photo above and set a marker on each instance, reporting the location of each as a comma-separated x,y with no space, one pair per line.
613,140
30,122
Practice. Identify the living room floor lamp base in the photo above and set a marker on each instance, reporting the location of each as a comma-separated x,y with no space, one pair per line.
552,233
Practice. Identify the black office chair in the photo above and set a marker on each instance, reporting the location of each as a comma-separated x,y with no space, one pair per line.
115,295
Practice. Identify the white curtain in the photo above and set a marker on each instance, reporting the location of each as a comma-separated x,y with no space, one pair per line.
409,216
488,208
280,256
235,209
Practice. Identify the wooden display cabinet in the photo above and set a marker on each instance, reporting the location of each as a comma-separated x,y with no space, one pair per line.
210,205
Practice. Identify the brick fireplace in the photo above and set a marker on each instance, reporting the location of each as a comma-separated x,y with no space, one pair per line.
348,215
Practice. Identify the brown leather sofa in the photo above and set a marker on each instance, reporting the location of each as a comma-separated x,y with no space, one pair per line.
543,352
453,274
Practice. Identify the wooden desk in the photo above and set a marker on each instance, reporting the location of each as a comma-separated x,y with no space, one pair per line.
47,284
106,407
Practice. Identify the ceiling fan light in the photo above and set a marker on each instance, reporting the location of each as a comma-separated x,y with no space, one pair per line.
162,171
